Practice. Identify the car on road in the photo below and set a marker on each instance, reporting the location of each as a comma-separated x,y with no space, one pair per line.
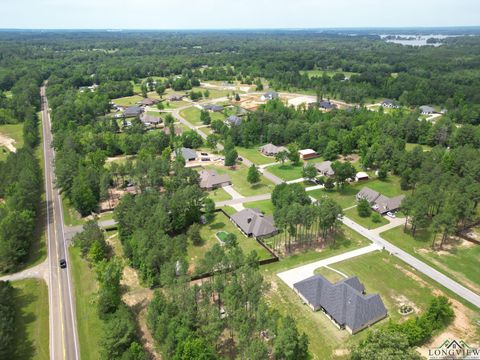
392,215
63,263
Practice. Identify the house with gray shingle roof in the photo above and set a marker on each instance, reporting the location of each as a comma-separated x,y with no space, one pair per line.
233,120
344,302
149,119
387,103
325,168
271,150
188,154
269,96
213,108
210,179
427,110
253,223
132,111
326,105
148,102
380,203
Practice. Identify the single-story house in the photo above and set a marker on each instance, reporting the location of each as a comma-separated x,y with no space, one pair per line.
233,120
344,302
175,97
148,102
427,110
253,223
269,96
132,111
188,154
380,203
151,119
326,105
271,150
387,103
361,175
213,108
307,154
210,179
325,168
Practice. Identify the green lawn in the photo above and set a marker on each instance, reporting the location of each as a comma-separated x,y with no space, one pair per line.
88,323
127,100
255,156
71,217
365,222
192,115
174,104
410,146
14,131
214,93
286,171
239,180
218,195
458,261
345,197
329,274
206,130
222,223
31,323
265,206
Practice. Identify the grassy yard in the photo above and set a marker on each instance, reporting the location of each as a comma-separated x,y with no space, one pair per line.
174,104
218,195
206,130
214,93
88,323
31,324
265,206
287,171
222,223
410,146
192,115
239,180
329,274
255,156
365,221
345,197
458,260
127,100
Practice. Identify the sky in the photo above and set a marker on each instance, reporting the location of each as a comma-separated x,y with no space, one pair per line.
235,14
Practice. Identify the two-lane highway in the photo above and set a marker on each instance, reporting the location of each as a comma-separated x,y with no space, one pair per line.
63,329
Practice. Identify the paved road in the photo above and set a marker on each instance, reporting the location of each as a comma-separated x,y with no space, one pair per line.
442,279
63,329
300,273
70,231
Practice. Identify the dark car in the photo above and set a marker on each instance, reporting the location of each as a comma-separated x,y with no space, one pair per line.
204,154
240,159
63,263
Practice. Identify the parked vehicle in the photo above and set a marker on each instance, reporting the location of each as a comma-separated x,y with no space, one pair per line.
390,214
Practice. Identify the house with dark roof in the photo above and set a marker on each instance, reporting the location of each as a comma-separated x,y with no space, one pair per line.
269,96
426,110
253,223
233,120
390,104
132,111
271,150
188,154
380,203
175,97
344,302
148,102
326,105
210,179
149,119
213,108
325,168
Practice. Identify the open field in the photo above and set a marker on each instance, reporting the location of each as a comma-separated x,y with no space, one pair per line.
265,206
127,100
459,259
410,146
254,156
287,171
85,288
214,93
365,221
222,223
239,180
192,115
31,323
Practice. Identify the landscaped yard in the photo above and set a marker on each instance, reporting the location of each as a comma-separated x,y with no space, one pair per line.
264,206
222,223
287,171
366,222
192,115
127,100
255,156
218,195
240,183
85,286
459,259
31,323
345,197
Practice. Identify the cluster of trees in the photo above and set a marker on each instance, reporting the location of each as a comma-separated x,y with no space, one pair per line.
7,317
119,338
303,223
227,314
153,225
398,340
20,185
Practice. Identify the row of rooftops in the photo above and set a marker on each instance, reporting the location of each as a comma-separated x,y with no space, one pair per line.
380,203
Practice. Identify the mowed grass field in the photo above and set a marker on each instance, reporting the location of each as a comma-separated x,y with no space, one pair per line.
89,325
365,221
192,115
218,195
264,206
287,171
238,175
31,323
458,259
255,156
222,223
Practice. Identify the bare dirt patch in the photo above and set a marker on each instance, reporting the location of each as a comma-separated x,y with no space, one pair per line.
403,300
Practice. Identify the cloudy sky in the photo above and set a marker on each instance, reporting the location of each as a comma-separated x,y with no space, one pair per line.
234,14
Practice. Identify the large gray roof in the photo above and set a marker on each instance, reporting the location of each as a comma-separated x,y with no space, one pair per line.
368,194
210,179
188,154
234,120
344,301
427,109
325,168
272,149
385,204
132,111
254,223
